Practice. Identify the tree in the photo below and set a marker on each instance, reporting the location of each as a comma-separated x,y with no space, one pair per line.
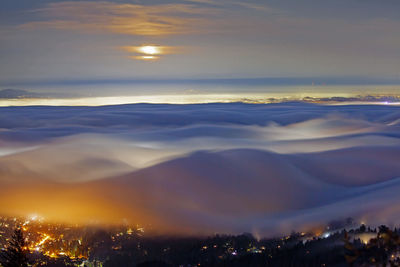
15,253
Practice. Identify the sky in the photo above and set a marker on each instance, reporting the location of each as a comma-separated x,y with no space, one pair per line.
65,44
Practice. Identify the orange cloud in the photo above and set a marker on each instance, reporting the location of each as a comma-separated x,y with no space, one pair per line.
132,19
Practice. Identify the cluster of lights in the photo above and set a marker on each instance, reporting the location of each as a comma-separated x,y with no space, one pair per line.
40,244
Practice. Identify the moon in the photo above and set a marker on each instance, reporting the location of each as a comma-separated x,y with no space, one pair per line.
149,50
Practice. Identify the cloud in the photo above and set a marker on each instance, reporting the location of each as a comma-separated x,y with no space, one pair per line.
131,19
202,168
241,4
195,16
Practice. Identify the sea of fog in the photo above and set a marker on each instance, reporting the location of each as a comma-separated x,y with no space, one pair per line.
203,168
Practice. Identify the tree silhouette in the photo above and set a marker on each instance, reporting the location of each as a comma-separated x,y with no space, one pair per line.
15,253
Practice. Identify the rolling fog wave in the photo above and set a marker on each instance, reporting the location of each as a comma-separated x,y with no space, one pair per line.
200,169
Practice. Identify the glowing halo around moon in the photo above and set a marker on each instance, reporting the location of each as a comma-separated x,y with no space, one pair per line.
145,57
148,51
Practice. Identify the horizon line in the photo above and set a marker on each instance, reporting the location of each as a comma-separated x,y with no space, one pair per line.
255,81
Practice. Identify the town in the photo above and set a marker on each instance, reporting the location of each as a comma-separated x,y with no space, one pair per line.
338,244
